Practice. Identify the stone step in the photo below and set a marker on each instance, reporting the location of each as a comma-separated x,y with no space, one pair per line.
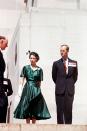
40,127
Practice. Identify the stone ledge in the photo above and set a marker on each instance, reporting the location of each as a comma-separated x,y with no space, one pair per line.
42,127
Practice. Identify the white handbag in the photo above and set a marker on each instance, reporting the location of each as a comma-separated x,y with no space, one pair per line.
20,90
18,96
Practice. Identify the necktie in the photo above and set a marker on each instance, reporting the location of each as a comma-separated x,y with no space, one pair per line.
65,66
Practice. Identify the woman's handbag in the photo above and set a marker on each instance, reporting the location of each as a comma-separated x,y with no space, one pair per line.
18,96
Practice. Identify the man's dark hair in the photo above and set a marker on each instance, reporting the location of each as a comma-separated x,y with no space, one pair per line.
2,37
67,47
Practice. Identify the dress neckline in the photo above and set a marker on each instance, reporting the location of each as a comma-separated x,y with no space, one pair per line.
34,69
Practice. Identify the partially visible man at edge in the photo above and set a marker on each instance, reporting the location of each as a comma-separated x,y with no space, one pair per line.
3,45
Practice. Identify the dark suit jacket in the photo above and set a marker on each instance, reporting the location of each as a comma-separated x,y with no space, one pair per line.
2,65
62,80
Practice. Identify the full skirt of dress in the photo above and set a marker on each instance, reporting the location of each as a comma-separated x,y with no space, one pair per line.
32,103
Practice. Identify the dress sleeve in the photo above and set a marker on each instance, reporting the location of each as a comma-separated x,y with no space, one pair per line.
23,72
41,75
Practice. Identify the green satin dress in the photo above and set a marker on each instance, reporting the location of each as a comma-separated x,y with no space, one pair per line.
32,103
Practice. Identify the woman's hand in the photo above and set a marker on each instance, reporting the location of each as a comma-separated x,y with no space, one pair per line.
38,83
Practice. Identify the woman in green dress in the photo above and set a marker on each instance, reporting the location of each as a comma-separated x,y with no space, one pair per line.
32,105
